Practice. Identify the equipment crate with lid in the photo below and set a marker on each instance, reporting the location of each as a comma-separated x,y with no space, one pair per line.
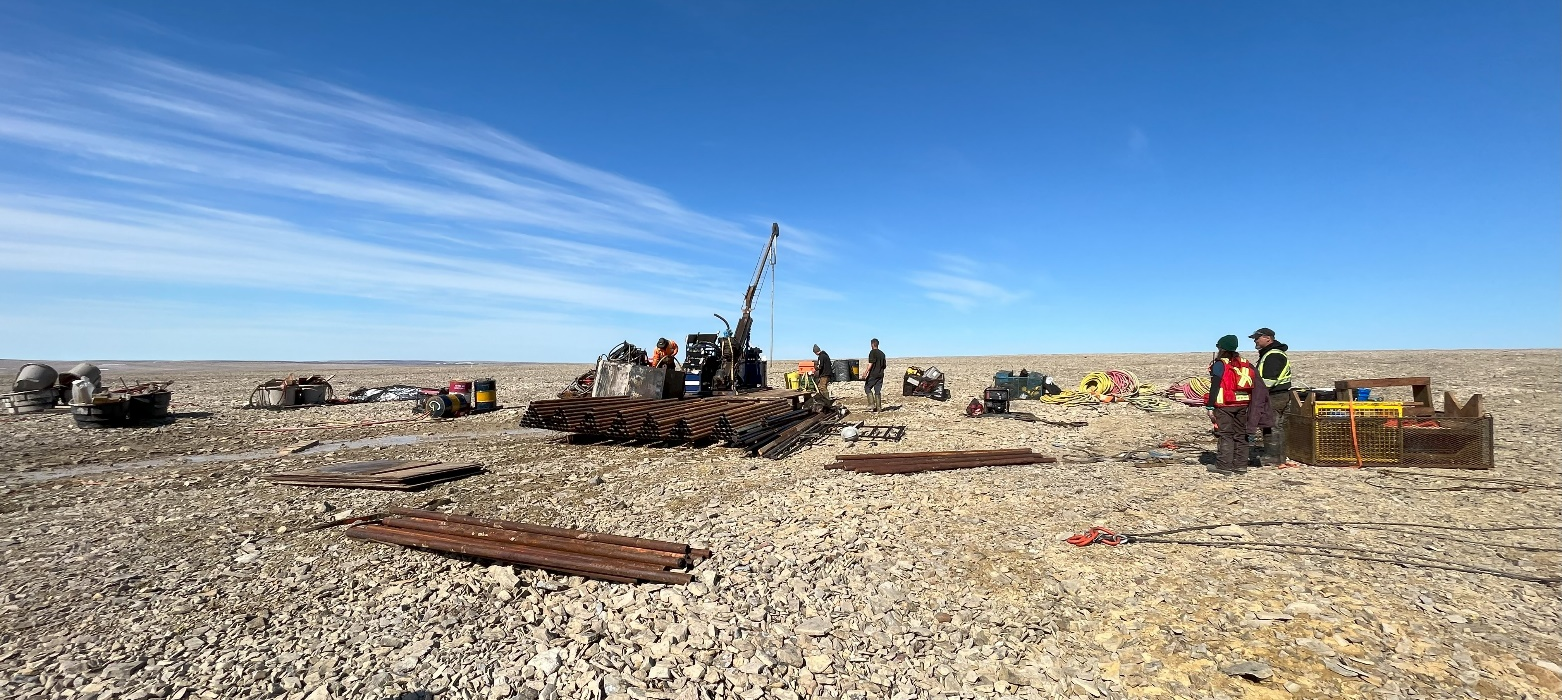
1025,386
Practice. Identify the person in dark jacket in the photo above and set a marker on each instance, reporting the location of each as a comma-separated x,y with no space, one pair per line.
873,384
823,373
1238,406
1274,368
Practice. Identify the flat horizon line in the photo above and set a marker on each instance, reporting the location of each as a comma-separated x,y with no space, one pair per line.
581,362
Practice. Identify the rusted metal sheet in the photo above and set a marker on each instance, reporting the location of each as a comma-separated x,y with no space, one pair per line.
576,552
393,474
559,532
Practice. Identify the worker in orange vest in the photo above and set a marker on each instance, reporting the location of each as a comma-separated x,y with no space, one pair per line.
666,352
1237,411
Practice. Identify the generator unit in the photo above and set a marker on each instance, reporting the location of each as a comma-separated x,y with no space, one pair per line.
995,400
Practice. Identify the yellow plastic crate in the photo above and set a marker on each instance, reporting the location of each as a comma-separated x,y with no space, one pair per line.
1392,409
1380,442
798,381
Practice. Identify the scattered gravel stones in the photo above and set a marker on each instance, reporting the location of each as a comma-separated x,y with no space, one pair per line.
814,626
1251,670
504,575
194,580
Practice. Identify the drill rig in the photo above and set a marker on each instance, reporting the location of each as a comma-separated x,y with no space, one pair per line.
725,362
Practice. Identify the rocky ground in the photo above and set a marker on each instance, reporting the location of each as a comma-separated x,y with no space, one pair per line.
154,561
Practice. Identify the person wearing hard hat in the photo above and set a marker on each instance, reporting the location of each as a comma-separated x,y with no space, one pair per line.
666,353
1274,369
1236,409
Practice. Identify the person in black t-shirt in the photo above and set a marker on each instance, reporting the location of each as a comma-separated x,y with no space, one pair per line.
874,383
823,373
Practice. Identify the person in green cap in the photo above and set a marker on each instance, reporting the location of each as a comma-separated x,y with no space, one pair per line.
1237,411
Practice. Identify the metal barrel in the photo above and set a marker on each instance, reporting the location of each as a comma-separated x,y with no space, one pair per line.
87,370
109,414
446,405
485,395
35,377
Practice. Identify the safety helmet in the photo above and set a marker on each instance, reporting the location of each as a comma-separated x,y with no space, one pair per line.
661,343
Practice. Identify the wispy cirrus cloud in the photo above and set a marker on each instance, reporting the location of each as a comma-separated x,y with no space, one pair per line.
1136,153
131,166
960,282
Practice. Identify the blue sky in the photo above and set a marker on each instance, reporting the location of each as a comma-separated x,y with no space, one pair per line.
537,181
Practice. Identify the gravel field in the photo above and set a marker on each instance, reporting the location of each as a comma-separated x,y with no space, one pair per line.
154,561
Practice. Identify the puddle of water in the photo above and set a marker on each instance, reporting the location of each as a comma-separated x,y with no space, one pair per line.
320,449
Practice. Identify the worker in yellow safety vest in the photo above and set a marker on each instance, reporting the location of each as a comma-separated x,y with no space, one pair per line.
1274,369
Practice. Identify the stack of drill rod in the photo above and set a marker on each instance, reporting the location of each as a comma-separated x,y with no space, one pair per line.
574,552
782,434
628,418
910,462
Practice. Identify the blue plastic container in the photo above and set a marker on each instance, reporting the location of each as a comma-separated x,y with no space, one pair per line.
1363,394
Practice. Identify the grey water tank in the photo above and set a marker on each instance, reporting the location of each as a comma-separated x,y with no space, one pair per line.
87,370
35,377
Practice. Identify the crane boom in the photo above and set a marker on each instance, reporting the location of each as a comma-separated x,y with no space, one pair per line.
746,321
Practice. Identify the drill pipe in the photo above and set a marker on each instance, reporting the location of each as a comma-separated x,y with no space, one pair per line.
910,467
878,463
790,435
750,423
652,557
773,420
542,559
951,453
762,431
584,535
898,463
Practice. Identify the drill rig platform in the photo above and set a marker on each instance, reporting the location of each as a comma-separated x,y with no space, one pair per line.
726,363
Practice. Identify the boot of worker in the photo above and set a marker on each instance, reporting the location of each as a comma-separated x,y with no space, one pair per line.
1274,447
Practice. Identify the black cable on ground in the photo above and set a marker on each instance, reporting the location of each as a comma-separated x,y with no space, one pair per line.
1496,483
1359,553
1424,561
1262,523
1448,538
1387,527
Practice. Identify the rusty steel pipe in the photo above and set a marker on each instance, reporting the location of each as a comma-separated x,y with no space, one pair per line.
909,458
787,436
437,543
883,463
546,559
567,533
455,546
913,467
951,453
652,557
